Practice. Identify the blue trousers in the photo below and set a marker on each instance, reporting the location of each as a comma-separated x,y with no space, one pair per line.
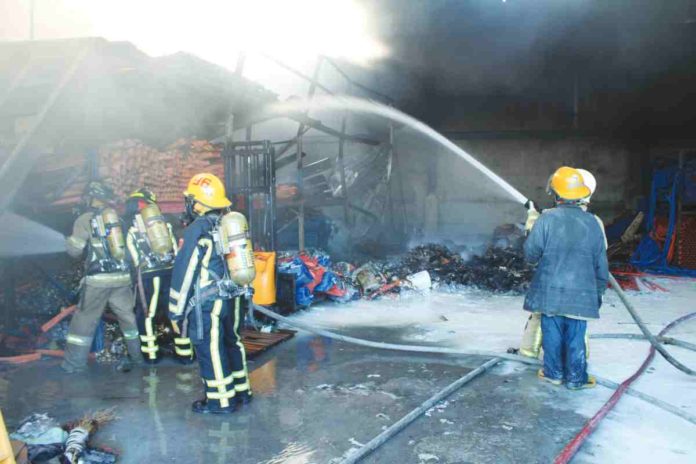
565,357
219,350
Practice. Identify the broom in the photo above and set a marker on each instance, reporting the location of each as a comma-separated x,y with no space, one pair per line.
79,434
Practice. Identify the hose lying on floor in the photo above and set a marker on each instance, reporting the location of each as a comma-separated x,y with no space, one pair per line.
630,336
643,328
392,346
574,445
440,350
402,423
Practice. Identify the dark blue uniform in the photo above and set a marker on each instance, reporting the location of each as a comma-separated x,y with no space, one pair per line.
212,323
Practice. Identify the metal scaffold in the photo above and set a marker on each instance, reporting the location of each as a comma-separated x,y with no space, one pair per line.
284,155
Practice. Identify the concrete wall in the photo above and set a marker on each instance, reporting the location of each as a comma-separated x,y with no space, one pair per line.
467,203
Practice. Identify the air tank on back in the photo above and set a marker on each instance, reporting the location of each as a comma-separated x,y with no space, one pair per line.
114,234
236,244
157,230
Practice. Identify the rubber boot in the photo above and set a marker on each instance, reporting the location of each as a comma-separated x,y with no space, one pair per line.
244,398
133,358
591,383
556,382
134,351
75,358
210,407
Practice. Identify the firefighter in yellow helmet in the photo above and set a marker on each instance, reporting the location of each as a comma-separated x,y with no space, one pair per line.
98,237
565,181
531,338
152,248
204,299
568,246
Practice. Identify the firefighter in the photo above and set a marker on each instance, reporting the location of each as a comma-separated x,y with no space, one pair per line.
531,337
152,248
567,243
98,236
204,298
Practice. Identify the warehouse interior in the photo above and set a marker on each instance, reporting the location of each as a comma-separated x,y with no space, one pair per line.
390,159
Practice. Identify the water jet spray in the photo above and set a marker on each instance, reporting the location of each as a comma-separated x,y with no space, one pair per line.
20,236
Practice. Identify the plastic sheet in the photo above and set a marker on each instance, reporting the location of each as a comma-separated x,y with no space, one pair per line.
39,429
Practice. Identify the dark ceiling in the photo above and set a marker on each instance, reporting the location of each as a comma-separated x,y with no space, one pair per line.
631,63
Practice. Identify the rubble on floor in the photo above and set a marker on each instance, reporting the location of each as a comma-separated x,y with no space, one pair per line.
498,269
47,300
47,441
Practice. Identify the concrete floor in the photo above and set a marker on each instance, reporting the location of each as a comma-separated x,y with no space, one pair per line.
315,400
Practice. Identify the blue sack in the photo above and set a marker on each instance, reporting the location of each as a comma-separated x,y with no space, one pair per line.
303,297
297,268
324,260
327,282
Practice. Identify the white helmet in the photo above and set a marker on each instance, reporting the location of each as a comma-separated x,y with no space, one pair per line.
590,182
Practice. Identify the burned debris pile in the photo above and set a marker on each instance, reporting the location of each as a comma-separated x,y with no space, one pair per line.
500,270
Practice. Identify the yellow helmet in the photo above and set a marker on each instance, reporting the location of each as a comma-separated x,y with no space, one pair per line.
145,194
208,190
568,184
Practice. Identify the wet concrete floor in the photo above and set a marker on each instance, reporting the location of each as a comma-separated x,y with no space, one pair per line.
314,400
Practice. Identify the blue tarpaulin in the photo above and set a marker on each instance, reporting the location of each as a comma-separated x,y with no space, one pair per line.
668,185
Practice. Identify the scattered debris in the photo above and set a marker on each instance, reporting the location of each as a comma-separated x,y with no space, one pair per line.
46,440
315,277
39,429
355,442
76,442
500,270
439,407
427,457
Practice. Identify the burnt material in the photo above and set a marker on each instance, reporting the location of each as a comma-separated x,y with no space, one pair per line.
499,270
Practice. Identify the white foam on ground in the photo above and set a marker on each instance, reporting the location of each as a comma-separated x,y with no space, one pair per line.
634,431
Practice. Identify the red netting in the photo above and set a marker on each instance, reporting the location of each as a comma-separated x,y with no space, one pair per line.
686,243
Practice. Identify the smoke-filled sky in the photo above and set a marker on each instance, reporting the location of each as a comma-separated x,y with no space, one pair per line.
215,30
413,50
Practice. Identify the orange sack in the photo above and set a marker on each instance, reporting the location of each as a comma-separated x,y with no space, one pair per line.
264,283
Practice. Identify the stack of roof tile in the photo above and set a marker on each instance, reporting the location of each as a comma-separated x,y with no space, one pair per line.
130,164
127,165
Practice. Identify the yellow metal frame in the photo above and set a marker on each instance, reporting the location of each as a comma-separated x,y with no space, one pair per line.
6,451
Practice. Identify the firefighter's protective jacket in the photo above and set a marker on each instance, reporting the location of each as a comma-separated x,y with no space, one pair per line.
197,263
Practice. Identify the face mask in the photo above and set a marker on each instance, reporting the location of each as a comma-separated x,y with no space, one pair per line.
189,203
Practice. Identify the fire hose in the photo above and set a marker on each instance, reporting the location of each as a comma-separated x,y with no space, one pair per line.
496,357
574,445
643,328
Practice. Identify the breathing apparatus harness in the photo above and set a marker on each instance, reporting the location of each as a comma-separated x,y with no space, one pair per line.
231,284
106,246
153,239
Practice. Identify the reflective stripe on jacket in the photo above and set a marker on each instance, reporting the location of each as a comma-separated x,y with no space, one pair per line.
196,259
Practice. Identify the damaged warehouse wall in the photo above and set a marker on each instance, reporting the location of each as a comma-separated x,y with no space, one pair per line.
444,201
